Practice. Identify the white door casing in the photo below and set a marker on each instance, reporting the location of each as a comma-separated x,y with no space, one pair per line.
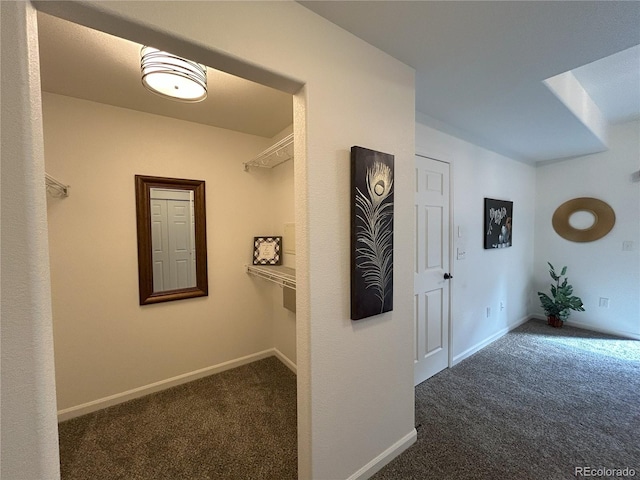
431,289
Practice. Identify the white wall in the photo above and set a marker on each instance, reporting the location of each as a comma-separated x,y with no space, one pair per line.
595,269
105,342
355,381
28,427
484,278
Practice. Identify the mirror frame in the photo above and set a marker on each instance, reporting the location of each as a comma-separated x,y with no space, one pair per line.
144,184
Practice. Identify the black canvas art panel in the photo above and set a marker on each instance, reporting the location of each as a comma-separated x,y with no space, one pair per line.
371,233
498,223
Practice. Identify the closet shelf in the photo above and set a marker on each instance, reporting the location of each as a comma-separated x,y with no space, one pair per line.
274,155
283,276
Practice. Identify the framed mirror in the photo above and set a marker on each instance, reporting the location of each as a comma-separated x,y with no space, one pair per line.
172,239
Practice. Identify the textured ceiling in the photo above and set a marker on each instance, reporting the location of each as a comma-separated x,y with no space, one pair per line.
480,65
80,62
613,83
480,68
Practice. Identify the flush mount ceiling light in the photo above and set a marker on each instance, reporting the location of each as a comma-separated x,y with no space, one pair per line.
173,77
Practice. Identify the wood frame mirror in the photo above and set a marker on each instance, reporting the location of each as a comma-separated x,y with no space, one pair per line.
193,241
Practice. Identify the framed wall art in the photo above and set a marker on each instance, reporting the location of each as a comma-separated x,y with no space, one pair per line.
498,223
267,250
371,232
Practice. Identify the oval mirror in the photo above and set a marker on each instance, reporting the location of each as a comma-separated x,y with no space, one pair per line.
172,240
583,219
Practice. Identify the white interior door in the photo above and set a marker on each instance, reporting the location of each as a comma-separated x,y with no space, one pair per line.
159,245
180,253
431,286
172,239
192,235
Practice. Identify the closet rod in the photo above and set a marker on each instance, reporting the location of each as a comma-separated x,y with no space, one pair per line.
283,276
55,187
276,154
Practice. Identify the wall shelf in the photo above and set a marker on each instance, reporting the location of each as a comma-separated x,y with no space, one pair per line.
283,276
274,155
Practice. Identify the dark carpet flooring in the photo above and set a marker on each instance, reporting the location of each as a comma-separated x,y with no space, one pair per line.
533,405
239,424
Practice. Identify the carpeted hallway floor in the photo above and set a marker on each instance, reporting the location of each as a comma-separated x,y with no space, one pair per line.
533,405
236,425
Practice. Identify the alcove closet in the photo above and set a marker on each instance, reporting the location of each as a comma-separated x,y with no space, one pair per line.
282,275
111,351
275,166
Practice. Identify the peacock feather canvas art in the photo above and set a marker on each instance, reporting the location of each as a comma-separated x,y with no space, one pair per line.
371,233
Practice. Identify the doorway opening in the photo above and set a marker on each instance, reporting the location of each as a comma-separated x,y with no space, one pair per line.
108,348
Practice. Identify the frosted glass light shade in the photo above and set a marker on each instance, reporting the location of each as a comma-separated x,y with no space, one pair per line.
173,77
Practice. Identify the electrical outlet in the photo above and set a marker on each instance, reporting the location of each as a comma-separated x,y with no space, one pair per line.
627,246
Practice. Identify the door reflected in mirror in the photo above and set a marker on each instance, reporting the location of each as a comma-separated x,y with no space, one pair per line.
173,239
172,252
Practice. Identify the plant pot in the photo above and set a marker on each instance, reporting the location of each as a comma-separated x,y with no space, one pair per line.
554,321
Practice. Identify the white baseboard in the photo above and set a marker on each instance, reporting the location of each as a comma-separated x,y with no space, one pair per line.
99,404
385,457
594,328
480,345
608,331
286,360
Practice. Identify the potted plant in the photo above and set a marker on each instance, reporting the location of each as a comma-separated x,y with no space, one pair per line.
558,307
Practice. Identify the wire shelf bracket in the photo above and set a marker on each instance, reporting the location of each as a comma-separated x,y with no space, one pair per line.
55,187
275,155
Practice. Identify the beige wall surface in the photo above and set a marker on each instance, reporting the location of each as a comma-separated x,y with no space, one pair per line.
105,342
284,321
279,205
355,380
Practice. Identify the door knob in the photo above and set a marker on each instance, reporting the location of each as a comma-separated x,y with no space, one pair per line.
447,276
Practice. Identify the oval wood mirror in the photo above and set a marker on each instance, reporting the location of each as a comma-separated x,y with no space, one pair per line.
172,239
603,218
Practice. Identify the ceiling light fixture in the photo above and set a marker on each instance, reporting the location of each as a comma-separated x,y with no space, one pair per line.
170,76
